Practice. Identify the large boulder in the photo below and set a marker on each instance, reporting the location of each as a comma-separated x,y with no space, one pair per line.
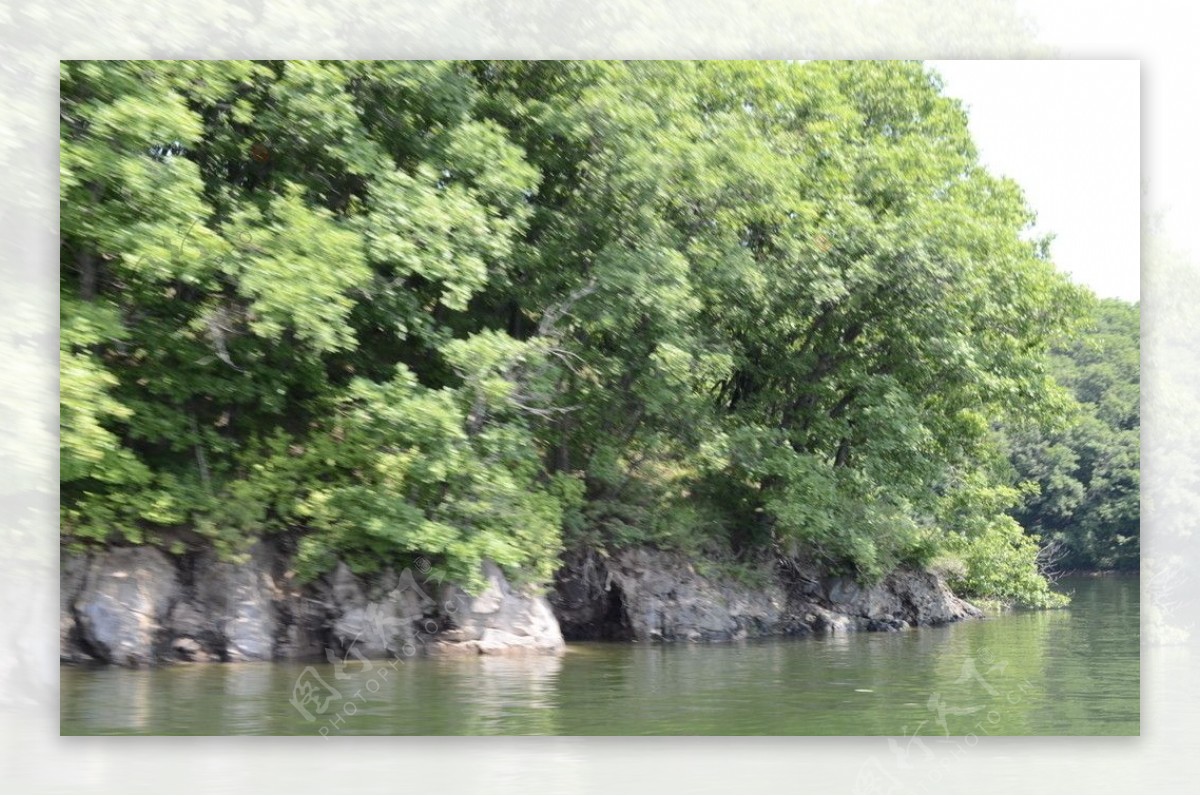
123,603
373,617
247,621
909,596
928,599
499,620
227,611
666,599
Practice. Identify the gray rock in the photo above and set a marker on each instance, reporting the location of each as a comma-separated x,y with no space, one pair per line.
188,649
228,610
72,575
650,595
376,618
123,605
189,621
239,596
666,599
927,600
134,606
905,598
187,646
499,620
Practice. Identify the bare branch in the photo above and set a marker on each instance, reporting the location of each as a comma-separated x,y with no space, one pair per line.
519,376
1049,558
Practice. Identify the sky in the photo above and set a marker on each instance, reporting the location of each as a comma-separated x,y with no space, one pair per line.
1068,132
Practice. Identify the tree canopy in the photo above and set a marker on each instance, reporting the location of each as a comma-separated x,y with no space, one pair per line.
476,310
1082,476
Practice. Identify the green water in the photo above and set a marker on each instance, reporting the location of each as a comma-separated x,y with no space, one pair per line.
1070,672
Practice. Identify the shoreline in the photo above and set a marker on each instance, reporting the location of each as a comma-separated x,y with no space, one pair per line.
137,606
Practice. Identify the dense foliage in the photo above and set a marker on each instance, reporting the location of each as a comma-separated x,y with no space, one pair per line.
1085,470
485,309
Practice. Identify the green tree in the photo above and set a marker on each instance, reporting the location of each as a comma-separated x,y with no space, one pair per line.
1083,474
461,308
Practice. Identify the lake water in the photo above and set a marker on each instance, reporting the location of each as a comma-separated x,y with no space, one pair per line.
1067,672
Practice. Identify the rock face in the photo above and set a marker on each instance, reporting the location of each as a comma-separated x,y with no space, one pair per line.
905,596
499,620
137,606
376,618
120,605
649,595
72,574
232,612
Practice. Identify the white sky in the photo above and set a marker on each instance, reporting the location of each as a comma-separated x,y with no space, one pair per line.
1068,133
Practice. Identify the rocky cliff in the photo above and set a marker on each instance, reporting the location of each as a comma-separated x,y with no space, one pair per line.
649,595
136,606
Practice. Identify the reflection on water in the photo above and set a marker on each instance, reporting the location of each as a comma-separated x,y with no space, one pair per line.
1068,672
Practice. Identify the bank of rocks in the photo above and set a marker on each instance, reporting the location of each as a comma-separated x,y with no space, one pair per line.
648,595
136,606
